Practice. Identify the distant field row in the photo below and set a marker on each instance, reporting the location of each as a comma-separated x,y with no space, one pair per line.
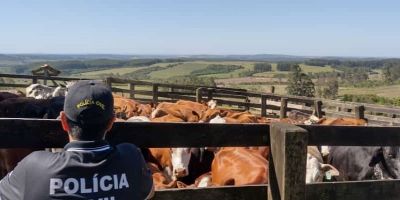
185,69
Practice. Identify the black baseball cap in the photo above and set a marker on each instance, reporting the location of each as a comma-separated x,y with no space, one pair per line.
89,102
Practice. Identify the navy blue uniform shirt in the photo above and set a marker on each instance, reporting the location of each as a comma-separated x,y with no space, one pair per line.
85,170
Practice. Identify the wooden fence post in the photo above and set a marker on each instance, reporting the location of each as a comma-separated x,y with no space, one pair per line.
172,90
283,108
287,162
359,111
272,89
46,75
131,90
109,82
199,96
209,94
318,108
263,105
155,93
247,101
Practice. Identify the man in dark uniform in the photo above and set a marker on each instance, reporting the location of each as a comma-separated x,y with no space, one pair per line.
89,168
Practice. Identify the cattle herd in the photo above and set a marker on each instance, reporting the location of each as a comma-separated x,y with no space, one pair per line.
203,167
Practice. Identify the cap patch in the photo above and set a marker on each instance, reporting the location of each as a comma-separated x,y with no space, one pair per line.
88,102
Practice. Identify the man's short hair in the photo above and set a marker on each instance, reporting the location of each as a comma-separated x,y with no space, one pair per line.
87,132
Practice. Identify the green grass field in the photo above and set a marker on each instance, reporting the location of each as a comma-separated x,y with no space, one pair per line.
305,68
179,70
122,70
185,68
384,91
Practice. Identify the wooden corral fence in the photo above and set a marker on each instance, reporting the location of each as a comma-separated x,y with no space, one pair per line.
157,92
266,104
287,160
23,81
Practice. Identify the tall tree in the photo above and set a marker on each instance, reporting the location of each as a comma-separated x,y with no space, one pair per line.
332,89
299,83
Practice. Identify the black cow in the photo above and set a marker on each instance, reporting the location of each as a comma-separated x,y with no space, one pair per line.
24,107
199,164
365,163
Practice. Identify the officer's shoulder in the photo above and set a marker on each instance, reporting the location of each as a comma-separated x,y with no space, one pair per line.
38,157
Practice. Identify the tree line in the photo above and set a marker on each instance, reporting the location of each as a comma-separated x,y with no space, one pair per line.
216,69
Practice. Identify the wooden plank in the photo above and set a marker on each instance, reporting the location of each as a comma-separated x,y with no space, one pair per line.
389,110
137,92
256,192
353,135
125,81
14,85
178,97
283,108
189,134
236,103
219,95
176,93
289,153
48,133
190,87
365,190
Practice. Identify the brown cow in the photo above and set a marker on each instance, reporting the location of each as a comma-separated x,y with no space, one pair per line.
188,111
160,180
167,118
125,108
239,166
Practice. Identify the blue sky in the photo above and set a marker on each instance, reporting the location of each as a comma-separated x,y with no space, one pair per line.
296,27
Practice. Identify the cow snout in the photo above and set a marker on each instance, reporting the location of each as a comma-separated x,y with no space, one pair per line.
180,172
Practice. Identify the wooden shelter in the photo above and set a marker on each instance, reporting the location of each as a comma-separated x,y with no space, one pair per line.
47,71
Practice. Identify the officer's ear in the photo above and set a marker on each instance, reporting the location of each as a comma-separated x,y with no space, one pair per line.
110,124
64,122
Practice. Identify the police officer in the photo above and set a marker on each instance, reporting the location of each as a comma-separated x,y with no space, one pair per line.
89,168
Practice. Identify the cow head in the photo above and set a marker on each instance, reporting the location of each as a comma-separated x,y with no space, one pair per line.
389,160
180,158
212,104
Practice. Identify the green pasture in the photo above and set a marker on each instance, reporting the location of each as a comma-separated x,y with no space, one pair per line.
186,68
390,91
305,68
121,70
183,69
